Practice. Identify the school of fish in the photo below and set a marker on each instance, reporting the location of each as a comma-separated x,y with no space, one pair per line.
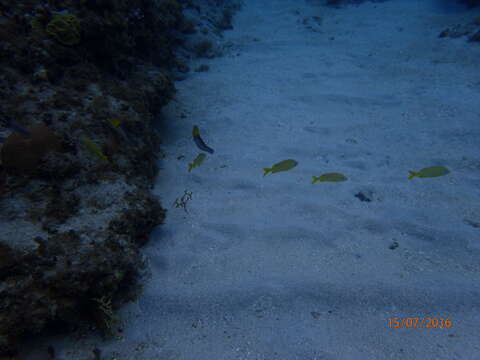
288,164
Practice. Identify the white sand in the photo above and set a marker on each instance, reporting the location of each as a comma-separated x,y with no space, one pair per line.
276,268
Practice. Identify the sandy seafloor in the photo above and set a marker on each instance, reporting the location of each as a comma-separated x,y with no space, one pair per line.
277,268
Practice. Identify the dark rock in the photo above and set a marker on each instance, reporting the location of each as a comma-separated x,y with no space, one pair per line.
393,245
361,196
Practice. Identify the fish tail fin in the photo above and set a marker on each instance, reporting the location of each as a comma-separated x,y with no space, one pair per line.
266,171
190,166
315,179
412,174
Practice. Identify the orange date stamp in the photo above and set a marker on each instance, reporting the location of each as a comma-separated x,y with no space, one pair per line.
419,322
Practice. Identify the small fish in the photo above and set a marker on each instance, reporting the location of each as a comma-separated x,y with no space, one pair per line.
93,148
432,171
329,177
121,128
280,166
198,140
196,162
115,122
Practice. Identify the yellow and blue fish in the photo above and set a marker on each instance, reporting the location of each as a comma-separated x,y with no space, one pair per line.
280,166
432,171
335,177
199,142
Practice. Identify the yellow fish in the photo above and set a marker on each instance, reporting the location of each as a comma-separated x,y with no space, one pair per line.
432,171
329,177
280,166
115,122
196,162
93,148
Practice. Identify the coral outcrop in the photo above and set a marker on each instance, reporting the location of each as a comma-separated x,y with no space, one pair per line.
81,86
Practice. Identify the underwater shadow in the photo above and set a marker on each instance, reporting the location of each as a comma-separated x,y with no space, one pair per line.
453,6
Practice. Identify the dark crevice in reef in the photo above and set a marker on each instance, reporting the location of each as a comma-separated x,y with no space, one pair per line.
81,87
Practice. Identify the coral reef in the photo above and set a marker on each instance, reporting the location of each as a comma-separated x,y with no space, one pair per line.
72,223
